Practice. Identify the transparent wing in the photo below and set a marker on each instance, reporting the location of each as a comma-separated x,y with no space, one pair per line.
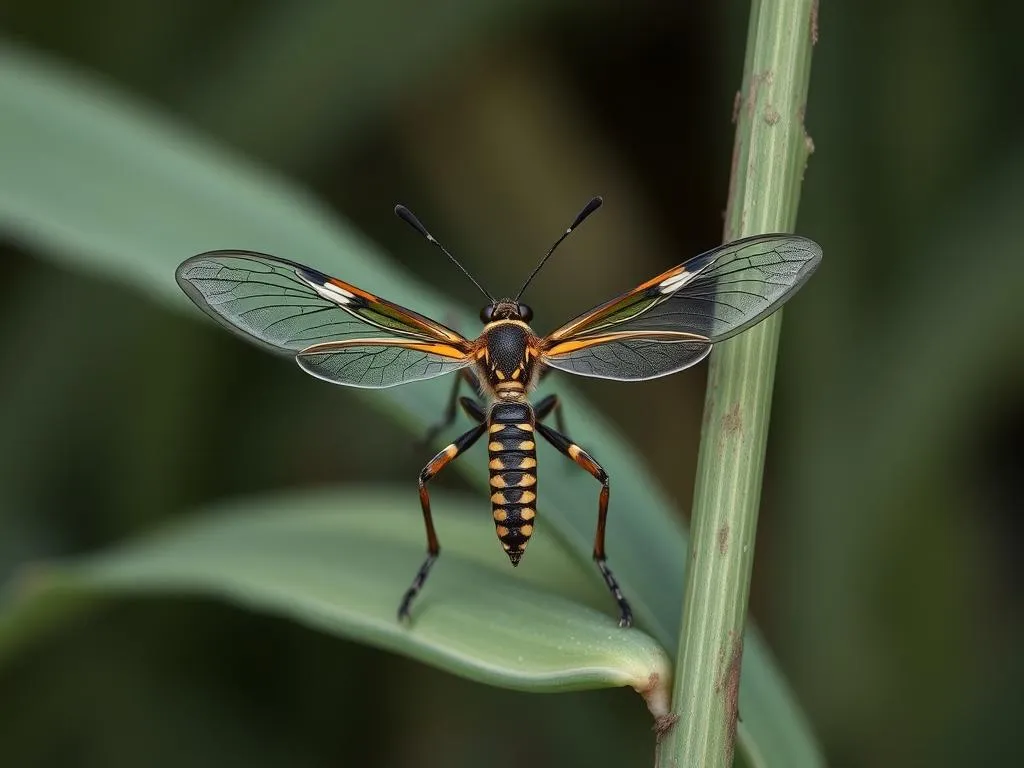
379,363
715,295
628,355
287,307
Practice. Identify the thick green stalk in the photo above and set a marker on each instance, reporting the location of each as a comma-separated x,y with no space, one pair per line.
768,163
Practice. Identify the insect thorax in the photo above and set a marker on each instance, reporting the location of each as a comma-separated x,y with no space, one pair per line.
507,358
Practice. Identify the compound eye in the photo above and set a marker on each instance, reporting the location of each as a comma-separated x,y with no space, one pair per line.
525,312
487,313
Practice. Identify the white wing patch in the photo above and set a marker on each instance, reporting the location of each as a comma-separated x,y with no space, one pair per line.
674,283
329,291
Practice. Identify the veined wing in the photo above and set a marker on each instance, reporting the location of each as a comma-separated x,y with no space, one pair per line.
714,295
628,355
379,363
670,322
287,307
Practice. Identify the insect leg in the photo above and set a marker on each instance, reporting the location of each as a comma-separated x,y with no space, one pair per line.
473,409
547,406
450,409
434,466
585,460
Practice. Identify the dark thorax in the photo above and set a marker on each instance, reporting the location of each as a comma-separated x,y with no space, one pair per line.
507,355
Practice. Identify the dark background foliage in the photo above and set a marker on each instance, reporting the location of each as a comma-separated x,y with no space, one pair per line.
887,578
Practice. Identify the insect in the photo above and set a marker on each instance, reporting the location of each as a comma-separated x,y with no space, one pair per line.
345,335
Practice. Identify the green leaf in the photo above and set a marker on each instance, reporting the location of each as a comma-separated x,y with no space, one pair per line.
340,562
99,184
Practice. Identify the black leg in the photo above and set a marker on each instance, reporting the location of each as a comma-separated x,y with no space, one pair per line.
585,460
546,406
473,409
448,417
434,466
554,405
450,409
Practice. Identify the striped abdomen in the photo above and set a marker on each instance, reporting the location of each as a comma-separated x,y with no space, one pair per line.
513,463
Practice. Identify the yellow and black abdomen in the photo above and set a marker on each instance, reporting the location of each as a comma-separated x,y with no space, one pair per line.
512,452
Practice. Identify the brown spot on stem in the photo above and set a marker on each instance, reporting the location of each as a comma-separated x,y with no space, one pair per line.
771,115
814,22
732,427
662,725
732,422
731,692
756,81
736,107
720,667
723,539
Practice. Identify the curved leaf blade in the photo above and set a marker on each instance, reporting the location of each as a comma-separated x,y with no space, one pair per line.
339,561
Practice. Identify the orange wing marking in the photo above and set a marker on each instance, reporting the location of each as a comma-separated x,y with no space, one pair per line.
443,350
572,345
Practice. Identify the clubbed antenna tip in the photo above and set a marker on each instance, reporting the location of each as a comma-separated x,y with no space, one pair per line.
588,209
409,218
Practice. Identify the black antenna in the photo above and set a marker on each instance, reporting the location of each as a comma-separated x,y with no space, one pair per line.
588,209
407,216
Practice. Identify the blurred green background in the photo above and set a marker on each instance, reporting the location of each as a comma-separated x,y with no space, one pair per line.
887,576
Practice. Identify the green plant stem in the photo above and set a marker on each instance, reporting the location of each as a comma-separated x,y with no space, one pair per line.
768,162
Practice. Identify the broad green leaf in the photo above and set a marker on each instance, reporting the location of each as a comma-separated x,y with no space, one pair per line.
99,184
340,561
